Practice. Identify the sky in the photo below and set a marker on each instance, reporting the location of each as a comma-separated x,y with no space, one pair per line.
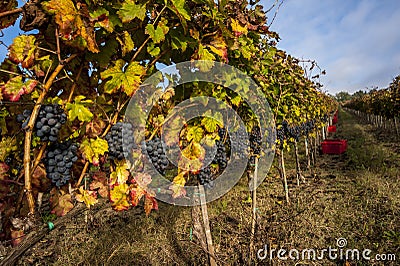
357,42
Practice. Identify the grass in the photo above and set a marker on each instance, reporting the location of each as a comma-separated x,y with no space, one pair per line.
355,196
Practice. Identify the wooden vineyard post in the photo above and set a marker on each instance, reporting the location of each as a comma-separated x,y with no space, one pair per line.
299,174
254,209
206,224
284,179
307,153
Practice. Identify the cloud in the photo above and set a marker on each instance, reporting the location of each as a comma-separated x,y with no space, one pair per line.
357,42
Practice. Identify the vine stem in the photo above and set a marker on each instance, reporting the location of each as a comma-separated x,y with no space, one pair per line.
75,84
148,38
11,12
39,157
28,134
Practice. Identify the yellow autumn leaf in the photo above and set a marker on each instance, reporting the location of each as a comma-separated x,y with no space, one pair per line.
119,197
121,173
86,196
237,28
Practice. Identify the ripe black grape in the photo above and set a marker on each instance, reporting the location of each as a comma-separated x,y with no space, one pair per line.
204,177
255,140
50,115
221,157
120,140
59,160
48,123
155,150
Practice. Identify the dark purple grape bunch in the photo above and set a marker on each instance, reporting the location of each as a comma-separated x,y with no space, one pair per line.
241,139
24,117
281,133
154,148
308,127
294,132
205,178
120,140
255,140
221,157
48,123
325,118
59,160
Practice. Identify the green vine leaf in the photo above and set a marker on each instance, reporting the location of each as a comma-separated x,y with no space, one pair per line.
153,50
157,34
126,43
128,80
210,124
22,50
178,7
79,110
195,133
102,18
129,11
206,59
93,148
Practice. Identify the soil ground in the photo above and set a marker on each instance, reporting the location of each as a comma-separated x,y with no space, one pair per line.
355,196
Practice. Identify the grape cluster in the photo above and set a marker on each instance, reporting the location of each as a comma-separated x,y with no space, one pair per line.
49,121
221,157
59,160
325,118
156,153
120,139
24,117
308,126
241,138
255,140
205,177
222,133
294,132
280,135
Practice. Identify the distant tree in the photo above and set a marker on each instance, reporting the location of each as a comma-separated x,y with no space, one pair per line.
359,94
342,96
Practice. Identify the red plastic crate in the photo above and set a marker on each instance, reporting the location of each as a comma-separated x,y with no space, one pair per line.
331,129
334,146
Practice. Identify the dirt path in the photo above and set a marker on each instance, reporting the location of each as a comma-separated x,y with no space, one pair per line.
355,196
